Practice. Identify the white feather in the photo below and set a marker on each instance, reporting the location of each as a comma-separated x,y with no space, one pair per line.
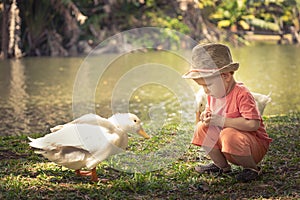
261,101
91,119
86,141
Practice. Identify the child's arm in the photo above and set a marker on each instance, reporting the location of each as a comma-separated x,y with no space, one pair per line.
239,123
242,124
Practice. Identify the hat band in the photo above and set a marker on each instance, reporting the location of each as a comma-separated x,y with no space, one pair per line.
211,70
204,70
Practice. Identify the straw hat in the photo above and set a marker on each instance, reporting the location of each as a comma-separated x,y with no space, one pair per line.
210,60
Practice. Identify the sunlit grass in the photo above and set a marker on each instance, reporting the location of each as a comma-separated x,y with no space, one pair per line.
26,175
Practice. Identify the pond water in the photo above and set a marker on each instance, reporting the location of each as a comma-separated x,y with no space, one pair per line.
37,93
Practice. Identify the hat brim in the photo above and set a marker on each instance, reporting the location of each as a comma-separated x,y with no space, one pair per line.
192,74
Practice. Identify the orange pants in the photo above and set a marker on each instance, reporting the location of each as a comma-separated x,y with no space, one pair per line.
230,141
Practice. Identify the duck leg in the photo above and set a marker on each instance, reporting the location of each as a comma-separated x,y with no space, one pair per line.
92,174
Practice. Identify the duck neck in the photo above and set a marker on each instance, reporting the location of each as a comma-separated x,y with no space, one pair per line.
122,141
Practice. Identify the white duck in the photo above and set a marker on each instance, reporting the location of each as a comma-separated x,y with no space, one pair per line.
88,140
201,100
261,101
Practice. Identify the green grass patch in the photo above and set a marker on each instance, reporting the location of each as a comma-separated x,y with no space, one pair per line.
26,175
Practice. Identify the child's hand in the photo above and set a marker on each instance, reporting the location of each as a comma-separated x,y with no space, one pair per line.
215,120
205,117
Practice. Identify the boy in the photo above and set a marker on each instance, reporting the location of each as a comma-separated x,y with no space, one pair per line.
231,128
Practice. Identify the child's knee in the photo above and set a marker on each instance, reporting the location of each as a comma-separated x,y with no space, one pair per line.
199,134
201,129
231,137
228,134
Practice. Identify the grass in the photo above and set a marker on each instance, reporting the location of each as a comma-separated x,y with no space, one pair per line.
25,175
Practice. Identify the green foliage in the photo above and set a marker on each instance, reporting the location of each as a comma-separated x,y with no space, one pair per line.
35,17
150,3
229,13
264,25
206,3
42,19
267,15
130,14
160,20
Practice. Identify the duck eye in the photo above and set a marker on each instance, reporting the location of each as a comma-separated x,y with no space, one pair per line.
135,120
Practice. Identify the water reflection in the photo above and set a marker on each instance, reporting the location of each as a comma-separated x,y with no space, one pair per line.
17,93
36,93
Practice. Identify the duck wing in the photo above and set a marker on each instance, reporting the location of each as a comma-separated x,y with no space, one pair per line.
78,143
91,119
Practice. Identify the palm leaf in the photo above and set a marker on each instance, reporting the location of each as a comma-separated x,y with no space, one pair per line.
244,25
264,24
224,23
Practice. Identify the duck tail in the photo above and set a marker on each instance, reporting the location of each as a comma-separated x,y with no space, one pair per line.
35,143
269,97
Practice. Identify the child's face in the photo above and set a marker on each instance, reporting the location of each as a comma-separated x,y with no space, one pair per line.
214,86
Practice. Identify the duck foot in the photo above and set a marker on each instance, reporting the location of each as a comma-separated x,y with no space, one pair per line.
92,174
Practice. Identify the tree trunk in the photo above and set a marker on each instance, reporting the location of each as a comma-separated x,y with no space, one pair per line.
71,28
14,31
196,19
4,30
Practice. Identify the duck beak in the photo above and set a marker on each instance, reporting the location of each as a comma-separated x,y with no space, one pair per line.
143,133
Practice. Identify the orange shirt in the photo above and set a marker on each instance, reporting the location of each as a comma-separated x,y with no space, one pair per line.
239,103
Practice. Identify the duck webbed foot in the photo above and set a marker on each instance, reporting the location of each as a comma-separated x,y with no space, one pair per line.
92,174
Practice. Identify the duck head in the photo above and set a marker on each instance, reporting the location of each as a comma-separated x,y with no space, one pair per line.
129,123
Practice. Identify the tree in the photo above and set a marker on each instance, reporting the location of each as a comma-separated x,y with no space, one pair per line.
11,25
51,27
4,28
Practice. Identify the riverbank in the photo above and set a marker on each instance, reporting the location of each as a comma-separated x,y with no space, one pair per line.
269,39
25,175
